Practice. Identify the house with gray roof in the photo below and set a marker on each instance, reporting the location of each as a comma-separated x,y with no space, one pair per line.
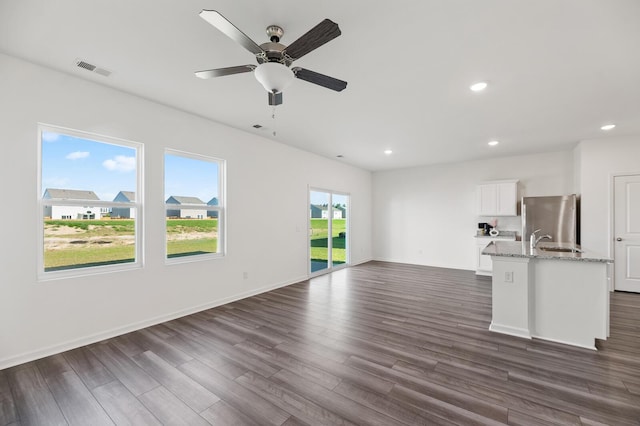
187,207
318,211
70,212
124,212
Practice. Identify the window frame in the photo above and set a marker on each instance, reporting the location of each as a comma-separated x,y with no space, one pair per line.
220,208
138,204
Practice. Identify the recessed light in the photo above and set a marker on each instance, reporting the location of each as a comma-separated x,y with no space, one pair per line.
388,152
479,86
493,143
607,127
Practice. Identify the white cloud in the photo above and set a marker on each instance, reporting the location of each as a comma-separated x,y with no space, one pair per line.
77,155
120,163
50,136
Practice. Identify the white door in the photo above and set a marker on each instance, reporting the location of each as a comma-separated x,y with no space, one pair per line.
627,233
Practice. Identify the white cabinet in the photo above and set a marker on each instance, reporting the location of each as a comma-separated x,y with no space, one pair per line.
487,199
498,198
484,265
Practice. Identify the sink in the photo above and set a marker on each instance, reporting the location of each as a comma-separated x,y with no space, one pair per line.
561,249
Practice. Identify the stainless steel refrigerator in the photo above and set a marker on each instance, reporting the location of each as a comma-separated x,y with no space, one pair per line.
556,216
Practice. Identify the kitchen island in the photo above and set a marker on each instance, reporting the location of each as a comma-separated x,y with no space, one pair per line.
551,295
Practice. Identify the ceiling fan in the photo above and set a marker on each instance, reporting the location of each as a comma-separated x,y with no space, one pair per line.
274,70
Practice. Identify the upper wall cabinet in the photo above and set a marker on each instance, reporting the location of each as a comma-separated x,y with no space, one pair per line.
498,198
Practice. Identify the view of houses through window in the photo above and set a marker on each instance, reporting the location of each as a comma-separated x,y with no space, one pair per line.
91,206
88,202
193,204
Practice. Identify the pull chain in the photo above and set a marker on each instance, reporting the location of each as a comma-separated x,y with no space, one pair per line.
273,116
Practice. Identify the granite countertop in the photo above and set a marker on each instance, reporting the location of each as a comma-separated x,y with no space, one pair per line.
518,249
502,234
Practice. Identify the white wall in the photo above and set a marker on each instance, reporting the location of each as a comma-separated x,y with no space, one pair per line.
600,159
427,215
39,318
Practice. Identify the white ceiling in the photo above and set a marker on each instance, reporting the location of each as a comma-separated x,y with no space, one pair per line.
558,70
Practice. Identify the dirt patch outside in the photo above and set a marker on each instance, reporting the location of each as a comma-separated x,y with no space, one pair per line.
66,237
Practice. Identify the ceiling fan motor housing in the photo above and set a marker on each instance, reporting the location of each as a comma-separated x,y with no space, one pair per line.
273,53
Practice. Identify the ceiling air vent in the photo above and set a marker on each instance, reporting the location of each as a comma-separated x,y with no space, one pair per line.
85,65
90,67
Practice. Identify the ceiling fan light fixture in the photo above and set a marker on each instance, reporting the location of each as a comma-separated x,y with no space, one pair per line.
274,76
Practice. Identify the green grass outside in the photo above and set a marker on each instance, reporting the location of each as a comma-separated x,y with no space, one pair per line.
84,255
319,240
191,247
98,227
191,225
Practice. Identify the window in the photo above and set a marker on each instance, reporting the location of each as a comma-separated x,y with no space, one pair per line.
90,193
194,205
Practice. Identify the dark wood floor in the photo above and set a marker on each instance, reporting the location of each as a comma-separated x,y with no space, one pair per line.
381,344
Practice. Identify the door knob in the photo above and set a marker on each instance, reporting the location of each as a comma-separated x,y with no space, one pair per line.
618,239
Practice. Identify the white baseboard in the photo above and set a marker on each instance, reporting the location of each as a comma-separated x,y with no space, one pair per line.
360,262
512,331
408,262
565,342
97,337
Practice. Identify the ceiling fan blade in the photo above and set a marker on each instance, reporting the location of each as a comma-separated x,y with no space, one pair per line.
322,33
275,98
319,79
221,23
220,72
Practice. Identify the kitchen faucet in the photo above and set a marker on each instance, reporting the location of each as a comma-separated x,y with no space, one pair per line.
533,241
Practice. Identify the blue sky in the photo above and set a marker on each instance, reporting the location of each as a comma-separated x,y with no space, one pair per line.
189,177
70,162
320,198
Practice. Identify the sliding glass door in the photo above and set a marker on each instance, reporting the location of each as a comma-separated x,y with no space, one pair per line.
328,226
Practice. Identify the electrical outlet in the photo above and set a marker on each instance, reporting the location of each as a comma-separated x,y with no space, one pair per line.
508,277
245,275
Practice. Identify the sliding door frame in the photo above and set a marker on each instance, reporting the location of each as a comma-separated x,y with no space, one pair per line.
330,266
